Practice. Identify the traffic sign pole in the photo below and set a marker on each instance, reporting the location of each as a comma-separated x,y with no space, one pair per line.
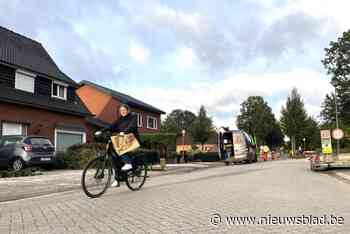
337,134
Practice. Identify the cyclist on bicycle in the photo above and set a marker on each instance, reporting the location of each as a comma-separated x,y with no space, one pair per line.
127,123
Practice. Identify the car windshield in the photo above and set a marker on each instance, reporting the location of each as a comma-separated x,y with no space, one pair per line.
38,141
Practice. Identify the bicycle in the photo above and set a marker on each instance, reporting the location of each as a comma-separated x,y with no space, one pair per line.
97,174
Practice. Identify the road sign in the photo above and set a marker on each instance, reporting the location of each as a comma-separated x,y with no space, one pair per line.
325,134
327,146
326,141
338,134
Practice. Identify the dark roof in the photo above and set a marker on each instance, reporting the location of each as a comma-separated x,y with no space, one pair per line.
43,102
23,52
132,102
96,122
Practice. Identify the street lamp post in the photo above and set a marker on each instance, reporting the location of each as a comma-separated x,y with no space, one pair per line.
336,115
304,139
183,143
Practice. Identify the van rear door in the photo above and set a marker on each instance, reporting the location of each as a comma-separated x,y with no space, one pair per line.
239,145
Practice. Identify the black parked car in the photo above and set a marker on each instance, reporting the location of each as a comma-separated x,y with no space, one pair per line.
16,152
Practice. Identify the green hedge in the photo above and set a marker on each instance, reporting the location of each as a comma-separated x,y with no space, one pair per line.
172,157
77,156
148,156
206,157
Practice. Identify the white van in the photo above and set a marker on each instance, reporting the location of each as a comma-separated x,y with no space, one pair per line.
236,146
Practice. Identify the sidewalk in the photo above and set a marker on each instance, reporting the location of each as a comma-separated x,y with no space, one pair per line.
65,180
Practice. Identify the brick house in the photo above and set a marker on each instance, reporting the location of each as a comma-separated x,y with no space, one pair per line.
104,104
187,144
36,97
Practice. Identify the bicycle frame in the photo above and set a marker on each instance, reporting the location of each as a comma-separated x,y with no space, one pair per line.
119,174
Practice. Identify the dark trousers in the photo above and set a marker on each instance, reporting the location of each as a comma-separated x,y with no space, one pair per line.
119,161
178,158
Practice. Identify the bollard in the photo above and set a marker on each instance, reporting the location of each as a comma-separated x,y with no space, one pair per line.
162,163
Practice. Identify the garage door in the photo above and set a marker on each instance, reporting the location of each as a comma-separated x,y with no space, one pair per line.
65,139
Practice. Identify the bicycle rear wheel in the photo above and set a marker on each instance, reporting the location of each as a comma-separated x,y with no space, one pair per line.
136,177
96,177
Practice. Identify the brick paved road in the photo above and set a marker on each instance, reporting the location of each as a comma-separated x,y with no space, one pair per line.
65,180
182,203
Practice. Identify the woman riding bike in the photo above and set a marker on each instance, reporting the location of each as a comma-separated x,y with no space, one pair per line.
127,123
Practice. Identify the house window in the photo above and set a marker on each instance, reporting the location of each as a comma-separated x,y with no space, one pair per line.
139,120
24,81
151,122
59,90
64,139
13,129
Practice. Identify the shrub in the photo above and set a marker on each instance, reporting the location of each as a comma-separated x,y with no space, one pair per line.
206,157
172,156
148,156
77,156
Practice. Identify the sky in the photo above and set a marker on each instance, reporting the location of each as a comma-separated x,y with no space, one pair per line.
180,54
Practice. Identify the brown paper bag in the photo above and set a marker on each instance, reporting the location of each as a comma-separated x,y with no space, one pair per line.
124,143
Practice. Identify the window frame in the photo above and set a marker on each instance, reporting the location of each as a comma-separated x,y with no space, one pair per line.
59,84
155,122
139,119
29,76
24,127
69,132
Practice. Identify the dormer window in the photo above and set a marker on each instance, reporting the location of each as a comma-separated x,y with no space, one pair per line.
59,90
25,81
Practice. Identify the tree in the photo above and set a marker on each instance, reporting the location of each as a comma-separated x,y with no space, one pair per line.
274,137
312,134
337,64
202,127
294,119
178,120
328,110
257,119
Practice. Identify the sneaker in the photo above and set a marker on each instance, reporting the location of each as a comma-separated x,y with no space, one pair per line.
126,167
115,184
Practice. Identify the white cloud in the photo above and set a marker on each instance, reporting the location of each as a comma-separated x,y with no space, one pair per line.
139,52
162,14
223,98
185,58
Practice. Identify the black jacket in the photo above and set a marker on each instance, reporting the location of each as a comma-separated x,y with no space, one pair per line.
126,124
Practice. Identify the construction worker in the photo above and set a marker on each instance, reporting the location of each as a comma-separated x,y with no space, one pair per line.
266,151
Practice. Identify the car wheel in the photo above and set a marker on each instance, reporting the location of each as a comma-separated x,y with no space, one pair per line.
17,164
250,157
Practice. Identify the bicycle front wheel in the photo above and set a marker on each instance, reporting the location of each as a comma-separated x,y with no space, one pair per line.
96,177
